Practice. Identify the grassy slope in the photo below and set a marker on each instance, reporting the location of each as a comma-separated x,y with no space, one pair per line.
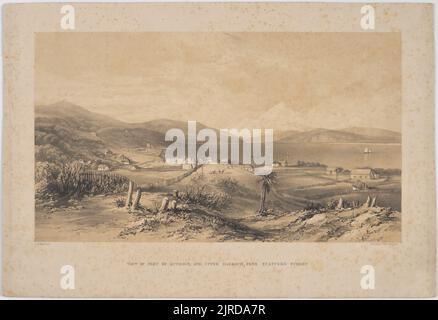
99,219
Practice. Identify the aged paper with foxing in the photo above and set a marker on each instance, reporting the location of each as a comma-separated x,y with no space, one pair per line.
91,184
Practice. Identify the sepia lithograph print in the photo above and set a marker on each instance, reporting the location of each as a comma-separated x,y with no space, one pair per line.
105,104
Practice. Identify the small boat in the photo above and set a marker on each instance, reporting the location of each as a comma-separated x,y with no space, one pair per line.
367,150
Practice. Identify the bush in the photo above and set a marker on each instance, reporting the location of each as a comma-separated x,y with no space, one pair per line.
49,153
72,180
120,202
228,185
301,163
45,178
313,206
388,172
200,195
197,178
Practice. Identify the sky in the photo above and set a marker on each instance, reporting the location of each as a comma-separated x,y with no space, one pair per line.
284,81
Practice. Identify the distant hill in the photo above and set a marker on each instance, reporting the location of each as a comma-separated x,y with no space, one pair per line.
65,131
59,139
349,135
130,137
282,134
76,116
378,134
163,125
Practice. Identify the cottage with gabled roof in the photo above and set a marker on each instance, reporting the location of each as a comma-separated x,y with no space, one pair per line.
363,174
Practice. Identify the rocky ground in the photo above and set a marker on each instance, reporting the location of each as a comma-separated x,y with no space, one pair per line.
358,224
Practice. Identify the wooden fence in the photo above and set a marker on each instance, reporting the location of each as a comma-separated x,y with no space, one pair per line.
101,181
170,181
104,181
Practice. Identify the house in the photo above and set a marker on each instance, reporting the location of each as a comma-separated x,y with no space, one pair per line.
363,174
102,167
276,164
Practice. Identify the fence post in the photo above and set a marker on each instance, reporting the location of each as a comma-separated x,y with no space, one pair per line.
137,199
164,204
373,202
367,204
129,197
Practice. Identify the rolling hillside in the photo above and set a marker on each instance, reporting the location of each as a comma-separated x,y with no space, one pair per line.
75,116
163,125
65,131
352,135
378,134
130,137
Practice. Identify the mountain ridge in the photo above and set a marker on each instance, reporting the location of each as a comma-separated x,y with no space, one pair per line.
69,131
342,136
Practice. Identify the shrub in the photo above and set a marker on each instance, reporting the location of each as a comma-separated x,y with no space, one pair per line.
313,206
120,202
228,185
388,172
72,180
197,177
45,176
200,195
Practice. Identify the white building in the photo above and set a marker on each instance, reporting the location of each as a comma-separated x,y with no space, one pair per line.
363,174
102,167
